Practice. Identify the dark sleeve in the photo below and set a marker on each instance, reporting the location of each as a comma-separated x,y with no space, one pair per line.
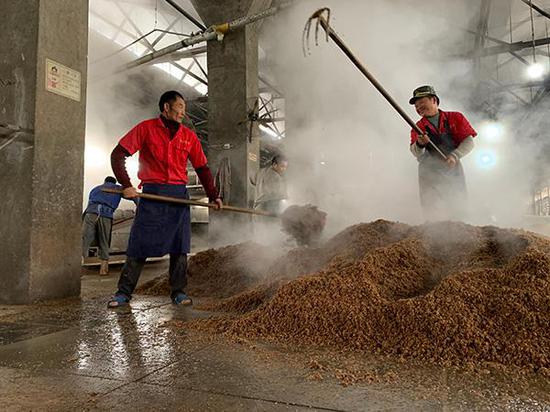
207,181
118,164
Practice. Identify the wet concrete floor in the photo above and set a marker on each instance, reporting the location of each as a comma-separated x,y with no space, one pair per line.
77,355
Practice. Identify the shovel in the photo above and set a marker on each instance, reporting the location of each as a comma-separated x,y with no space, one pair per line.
169,199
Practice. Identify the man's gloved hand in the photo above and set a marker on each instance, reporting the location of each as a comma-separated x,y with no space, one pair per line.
451,161
219,203
423,140
130,192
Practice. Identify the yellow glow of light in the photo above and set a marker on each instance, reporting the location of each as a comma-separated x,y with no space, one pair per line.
132,166
94,157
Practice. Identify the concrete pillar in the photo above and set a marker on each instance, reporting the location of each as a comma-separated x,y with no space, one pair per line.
43,59
232,96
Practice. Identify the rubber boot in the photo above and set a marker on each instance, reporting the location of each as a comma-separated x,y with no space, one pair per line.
104,268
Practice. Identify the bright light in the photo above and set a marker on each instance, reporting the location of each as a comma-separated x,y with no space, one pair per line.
132,165
535,71
201,88
94,157
188,80
491,131
269,132
486,160
323,163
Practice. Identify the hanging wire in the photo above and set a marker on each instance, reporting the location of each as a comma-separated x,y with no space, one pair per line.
548,45
532,29
156,13
511,29
533,39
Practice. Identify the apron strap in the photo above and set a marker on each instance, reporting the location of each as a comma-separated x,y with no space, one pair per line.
437,138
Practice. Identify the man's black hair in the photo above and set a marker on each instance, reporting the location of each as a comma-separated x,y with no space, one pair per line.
110,179
168,97
278,159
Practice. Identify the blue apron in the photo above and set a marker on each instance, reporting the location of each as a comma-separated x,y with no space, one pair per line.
439,184
160,228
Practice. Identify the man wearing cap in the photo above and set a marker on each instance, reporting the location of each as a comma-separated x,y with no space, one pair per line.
165,146
269,184
441,180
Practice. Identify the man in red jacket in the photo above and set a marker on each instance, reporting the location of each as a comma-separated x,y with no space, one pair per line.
441,180
164,146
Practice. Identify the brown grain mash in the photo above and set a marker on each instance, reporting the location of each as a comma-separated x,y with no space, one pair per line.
442,292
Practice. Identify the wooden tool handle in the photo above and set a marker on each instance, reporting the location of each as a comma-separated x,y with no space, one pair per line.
169,199
347,51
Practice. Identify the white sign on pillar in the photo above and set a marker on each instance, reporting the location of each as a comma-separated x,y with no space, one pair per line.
62,80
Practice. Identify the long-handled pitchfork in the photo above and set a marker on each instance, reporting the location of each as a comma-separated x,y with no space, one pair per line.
322,18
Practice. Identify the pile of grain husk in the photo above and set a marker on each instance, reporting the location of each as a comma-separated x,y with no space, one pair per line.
304,223
443,292
220,273
256,270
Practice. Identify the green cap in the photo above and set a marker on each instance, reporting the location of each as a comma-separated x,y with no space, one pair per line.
423,91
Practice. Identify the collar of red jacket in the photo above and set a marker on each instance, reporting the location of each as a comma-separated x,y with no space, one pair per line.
427,124
171,125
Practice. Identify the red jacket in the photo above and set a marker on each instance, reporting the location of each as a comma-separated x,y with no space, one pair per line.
459,127
161,159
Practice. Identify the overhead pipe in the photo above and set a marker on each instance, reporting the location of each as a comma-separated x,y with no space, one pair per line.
183,54
214,32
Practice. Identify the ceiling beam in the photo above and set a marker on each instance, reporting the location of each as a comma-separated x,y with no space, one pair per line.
537,8
511,47
186,14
